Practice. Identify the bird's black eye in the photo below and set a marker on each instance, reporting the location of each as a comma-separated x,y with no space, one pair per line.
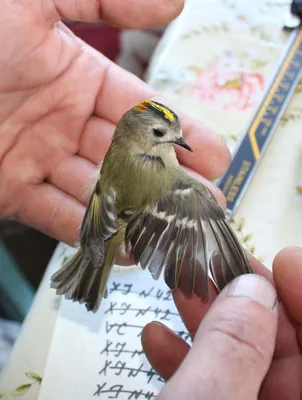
158,132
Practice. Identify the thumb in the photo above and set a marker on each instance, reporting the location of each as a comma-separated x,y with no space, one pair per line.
233,346
124,14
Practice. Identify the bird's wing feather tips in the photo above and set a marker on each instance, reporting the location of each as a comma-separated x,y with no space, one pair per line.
65,277
186,234
99,224
229,260
84,277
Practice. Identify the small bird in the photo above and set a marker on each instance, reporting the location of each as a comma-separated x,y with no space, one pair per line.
144,204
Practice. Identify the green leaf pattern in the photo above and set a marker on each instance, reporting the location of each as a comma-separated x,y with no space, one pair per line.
21,390
246,239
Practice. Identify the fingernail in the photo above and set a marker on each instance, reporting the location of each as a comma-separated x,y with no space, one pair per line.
256,288
165,327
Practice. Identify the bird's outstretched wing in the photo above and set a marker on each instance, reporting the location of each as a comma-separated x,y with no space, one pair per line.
84,277
99,225
186,235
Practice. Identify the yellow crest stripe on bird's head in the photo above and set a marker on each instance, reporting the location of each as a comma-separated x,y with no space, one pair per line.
145,104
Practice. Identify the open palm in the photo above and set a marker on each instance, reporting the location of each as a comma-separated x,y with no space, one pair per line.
59,103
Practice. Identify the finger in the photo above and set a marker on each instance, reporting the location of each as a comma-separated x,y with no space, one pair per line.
164,349
233,346
96,139
287,269
192,310
284,375
286,342
260,269
285,367
125,14
213,188
206,145
76,177
210,156
53,212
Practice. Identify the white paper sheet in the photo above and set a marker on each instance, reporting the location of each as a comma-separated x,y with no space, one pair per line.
99,356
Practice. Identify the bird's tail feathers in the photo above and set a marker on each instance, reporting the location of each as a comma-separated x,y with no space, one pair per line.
79,281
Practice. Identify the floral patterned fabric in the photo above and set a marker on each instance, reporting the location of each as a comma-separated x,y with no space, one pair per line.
228,85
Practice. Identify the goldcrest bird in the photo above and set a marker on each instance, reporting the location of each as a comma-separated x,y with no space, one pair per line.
147,205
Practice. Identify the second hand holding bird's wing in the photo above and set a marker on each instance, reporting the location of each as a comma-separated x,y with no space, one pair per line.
186,235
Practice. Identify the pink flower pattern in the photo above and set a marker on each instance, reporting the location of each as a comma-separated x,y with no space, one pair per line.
228,85
229,90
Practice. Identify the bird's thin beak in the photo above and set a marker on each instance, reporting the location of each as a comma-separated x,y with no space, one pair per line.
181,142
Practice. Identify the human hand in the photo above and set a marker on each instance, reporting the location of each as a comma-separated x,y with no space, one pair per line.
60,101
243,349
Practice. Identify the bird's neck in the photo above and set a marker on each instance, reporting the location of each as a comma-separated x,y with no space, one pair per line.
165,151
